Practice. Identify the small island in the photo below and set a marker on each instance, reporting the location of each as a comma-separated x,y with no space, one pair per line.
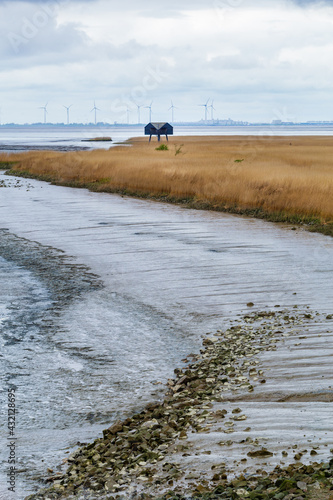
98,139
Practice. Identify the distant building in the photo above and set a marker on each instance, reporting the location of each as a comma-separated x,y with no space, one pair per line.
158,129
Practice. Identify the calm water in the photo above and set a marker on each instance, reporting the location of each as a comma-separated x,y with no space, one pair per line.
21,138
102,296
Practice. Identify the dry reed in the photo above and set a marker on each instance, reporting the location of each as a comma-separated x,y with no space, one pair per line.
293,175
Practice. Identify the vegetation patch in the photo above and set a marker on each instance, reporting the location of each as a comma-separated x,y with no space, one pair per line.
98,139
106,180
178,149
7,164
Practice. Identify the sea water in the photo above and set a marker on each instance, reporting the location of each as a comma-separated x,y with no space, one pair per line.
22,138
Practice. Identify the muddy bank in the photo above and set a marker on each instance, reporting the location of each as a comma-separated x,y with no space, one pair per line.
309,223
169,449
65,279
10,148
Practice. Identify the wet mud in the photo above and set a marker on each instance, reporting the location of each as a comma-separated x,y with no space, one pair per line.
205,440
169,276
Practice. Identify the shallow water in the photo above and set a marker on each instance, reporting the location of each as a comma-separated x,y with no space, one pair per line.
22,138
138,283
16,139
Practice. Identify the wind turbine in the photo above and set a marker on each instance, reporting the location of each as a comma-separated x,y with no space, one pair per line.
68,108
172,107
206,108
149,107
95,109
45,111
139,106
212,109
128,116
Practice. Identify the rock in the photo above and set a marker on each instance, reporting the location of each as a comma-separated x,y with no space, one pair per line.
286,484
150,424
114,429
201,488
242,493
183,435
260,453
302,486
208,341
110,484
183,380
176,388
193,475
221,413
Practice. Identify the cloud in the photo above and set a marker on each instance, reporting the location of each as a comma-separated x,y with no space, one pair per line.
36,38
305,3
119,53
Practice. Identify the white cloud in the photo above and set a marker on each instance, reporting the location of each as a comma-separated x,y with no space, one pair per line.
250,57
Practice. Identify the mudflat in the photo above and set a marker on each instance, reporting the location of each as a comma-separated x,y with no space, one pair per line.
207,439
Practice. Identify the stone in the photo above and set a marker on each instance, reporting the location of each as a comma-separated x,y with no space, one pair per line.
149,424
193,475
242,493
286,484
114,429
260,453
302,486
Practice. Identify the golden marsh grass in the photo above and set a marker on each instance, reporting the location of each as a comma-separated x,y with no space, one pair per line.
293,175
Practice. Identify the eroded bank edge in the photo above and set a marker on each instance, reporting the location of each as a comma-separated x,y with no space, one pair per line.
312,224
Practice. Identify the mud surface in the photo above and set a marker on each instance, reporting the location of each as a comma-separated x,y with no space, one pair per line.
169,276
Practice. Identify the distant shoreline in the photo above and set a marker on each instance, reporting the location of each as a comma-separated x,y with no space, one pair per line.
201,123
15,148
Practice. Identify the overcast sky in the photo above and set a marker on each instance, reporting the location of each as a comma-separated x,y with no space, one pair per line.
258,60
